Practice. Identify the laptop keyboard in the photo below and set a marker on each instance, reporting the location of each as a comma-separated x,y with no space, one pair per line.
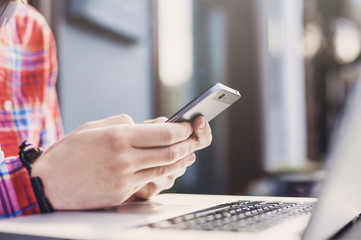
240,216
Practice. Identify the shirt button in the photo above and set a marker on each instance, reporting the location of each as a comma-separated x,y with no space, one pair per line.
8,105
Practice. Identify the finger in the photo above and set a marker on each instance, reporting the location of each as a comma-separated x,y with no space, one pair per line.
159,134
160,182
152,174
176,175
202,132
156,120
149,190
153,188
162,156
114,120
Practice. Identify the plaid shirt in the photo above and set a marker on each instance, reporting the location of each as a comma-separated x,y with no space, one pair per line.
28,103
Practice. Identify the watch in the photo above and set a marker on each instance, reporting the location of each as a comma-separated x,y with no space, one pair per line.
28,155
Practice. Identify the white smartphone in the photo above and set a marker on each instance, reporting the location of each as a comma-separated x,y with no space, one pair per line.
209,104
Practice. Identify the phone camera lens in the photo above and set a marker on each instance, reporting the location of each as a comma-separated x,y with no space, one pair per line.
221,96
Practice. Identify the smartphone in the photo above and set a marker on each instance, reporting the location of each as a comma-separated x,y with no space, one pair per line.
209,104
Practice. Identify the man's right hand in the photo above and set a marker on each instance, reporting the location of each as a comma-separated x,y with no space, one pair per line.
103,163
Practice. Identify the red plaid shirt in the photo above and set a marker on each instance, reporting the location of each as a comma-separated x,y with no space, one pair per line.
28,103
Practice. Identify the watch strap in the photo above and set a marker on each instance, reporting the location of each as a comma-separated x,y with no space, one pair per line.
44,204
28,155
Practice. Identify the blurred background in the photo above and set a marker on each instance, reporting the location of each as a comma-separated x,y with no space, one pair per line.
293,61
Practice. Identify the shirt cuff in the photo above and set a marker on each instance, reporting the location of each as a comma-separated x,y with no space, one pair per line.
17,196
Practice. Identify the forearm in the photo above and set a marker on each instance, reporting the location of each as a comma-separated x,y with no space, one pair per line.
16,193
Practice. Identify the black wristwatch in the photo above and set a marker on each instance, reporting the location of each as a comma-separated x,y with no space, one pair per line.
28,156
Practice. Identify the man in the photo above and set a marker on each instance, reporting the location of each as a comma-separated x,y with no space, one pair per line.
102,163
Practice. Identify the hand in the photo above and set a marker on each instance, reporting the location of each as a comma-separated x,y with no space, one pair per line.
103,163
166,182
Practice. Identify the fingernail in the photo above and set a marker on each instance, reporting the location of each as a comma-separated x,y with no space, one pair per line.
203,124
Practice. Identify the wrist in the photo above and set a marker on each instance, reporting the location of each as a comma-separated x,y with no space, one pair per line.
29,156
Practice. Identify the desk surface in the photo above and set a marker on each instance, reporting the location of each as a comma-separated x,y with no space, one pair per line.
353,231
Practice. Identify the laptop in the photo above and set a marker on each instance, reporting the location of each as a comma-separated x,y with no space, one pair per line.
190,216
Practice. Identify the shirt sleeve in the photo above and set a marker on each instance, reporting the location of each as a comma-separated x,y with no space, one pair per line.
52,128
17,196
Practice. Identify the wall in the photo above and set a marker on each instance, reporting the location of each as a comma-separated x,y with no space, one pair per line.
102,74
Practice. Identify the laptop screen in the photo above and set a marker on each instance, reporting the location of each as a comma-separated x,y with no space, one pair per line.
340,195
